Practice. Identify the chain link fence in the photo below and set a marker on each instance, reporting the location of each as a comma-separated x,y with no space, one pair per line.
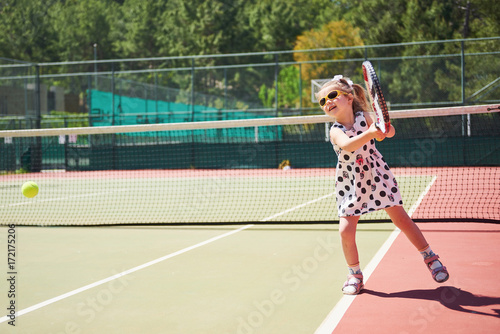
238,86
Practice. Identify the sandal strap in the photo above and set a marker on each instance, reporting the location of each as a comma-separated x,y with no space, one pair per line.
358,276
431,259
438,270
357,285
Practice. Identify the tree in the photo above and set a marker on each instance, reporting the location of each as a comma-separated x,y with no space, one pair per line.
288,90
26,32
387,22
192,28
80,25
335,34
136,30
274,24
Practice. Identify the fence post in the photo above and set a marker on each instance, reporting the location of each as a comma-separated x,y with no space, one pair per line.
466,131
113,136
112,94
156,99
225,89
192,89
36,151
276,73
462,66
300,88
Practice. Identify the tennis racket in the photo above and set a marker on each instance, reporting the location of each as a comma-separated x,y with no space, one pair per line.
382,121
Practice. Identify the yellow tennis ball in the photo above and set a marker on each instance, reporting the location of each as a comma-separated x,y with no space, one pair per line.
30,189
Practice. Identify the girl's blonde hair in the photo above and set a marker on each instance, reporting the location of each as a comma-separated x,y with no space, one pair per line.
359,103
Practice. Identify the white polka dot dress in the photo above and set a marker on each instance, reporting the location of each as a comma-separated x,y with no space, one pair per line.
364,182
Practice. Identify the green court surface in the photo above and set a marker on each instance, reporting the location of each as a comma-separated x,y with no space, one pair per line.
252,279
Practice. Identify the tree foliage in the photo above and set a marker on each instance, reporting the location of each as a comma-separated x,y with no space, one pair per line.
319,65
64,30
335,34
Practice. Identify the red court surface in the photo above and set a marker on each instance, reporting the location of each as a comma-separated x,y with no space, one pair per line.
400,296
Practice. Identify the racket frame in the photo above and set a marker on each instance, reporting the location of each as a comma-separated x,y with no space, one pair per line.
376,96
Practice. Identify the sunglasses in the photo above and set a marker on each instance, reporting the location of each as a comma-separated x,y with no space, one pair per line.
333,94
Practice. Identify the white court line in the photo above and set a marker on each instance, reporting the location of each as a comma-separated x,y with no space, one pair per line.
145,265
333,318
297,207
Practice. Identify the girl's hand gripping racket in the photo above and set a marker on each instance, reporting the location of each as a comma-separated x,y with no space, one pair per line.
376,96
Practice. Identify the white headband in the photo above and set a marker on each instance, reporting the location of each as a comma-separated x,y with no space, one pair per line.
340,76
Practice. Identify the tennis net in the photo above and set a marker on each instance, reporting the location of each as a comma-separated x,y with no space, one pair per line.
276,170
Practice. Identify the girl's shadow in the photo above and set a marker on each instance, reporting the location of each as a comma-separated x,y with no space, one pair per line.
448,296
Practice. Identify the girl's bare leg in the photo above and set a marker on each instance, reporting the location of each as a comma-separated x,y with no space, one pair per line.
401,219
347,229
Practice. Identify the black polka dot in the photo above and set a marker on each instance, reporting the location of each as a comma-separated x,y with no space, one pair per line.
366,168
378,165
376,179
346,157
362,123
369,182
347,188
357,212
371,197
386,167
401,202
363,190
386,177
371,151
349,168
382,193
358,184
359,132
377,203
340,179
365,148
394,190
341,193
358,199
357,169
351,205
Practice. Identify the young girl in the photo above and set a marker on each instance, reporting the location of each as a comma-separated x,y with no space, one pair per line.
364,182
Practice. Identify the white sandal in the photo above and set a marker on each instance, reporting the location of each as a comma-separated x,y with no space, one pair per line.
353,285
